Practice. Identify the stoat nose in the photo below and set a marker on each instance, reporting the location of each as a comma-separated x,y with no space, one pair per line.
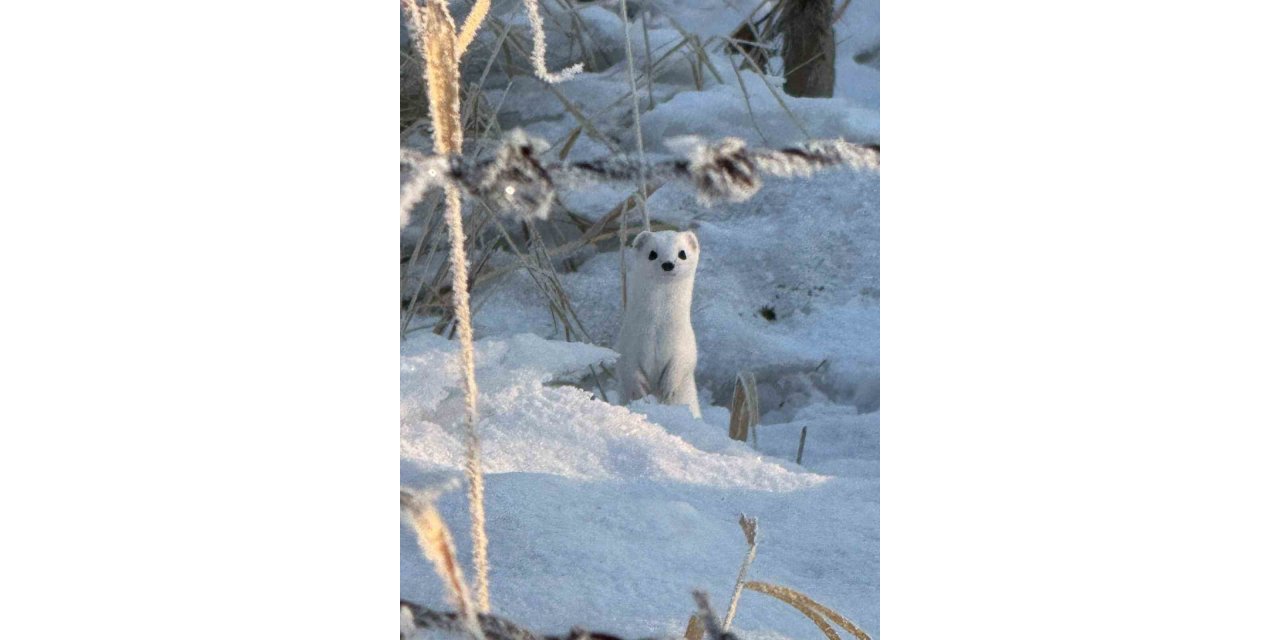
667,266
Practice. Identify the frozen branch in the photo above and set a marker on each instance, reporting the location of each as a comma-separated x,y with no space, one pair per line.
728,170
749,530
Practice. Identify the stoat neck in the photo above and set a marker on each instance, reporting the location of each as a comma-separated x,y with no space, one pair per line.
673,298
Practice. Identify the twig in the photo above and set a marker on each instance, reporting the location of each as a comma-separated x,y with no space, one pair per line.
810,608
648,56
749,530
539,56
772,91
726,170
708,617
471,25
635,111
804,431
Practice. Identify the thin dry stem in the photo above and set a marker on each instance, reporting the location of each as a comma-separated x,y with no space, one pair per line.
472,25
539,57
437,44
462,313
622,253
635,113
749,530
708,617
772,91
810,608
437,545
693,630
744,412
648,57
438,47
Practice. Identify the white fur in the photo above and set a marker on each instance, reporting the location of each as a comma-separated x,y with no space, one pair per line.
659,351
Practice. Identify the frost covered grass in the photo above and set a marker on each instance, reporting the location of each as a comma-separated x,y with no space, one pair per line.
606,516
436,542
439,47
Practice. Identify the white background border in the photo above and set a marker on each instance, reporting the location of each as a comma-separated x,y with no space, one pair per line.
199,388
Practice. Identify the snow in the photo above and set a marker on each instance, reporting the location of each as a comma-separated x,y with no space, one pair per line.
605,516
771,251
609,516
760,118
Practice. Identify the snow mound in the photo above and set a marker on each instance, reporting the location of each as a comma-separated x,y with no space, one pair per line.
609,516
526,426
430,367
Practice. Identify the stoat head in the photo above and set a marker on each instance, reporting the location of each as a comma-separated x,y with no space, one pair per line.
665,256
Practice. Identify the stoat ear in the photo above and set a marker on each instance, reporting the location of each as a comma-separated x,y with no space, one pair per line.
693,239
641,239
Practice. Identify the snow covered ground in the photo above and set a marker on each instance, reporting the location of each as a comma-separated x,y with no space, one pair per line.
607,516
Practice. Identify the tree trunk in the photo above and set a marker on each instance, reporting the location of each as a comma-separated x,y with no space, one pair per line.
808,48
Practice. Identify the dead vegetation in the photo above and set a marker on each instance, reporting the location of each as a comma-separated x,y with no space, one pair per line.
744,409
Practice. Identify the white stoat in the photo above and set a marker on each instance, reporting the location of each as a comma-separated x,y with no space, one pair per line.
657,346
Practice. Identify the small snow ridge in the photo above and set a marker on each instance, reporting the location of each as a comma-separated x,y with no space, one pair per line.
527,426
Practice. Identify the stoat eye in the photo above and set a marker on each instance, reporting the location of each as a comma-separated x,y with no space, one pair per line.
653,255
683,256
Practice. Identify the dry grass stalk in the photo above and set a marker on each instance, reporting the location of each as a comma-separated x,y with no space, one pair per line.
694,630
648,56
635,111
622,254
513,44
593,233
772,91
700,51
437,44
539,57
663,62
462,313
755,34
749,530
708,618
437,545
810,608
744,411
472,25
746,99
